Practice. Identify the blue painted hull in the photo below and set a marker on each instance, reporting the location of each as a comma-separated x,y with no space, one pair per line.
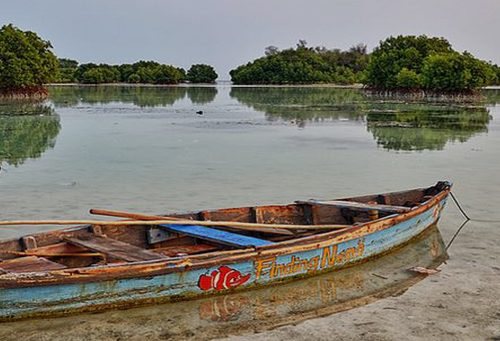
259,270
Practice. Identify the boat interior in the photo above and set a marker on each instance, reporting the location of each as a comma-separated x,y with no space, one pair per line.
97,245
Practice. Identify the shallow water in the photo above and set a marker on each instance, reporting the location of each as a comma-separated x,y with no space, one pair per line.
147,150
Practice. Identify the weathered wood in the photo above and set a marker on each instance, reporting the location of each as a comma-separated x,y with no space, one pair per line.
29,242
237,214
180,222
50,254
203,214
172,251
129,215
30,264
218,236
62,247
114,248
360,206
280,214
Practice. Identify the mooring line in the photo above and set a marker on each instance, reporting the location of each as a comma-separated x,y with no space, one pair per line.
460,207
467,219
467,216
456,234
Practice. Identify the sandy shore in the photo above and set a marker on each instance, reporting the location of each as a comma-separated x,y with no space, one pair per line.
459,303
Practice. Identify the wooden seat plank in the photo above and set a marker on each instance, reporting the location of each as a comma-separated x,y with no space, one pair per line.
175,250
115,248
29,264
215,235
358,205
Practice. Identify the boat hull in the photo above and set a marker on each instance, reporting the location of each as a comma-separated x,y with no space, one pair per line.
261,269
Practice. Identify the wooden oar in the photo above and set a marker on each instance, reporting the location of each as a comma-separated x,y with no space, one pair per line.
138,216
169,221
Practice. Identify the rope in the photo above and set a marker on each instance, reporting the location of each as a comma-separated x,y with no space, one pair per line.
467,216
467,219
460,207
456,234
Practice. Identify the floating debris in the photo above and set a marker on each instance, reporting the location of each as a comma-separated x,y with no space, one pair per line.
425,271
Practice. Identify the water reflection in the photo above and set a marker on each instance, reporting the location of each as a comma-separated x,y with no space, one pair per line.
27,130
395,125
201,95
63,96
303,104
259,309
425,127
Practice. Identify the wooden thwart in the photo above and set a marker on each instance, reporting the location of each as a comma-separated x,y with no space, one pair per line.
115,249
29,264
175,250
358,206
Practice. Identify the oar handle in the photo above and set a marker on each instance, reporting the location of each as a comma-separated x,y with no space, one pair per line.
134,216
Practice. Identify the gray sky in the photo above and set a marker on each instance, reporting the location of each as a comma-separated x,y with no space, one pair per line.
227,33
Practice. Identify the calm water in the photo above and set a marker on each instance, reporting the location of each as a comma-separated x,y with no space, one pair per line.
147,150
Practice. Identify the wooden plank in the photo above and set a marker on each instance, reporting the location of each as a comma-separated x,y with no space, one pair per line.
57,248
215,235
175,250
323,214
239,214
114,248
30,264
280,214
361,206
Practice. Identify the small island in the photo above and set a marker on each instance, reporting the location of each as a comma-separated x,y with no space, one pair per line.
401,65
27,64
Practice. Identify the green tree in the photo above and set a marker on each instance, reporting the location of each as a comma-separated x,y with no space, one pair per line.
201,73
408,79
304,65
134,78
396,53
455,72
102,73
167,74
67,69
26,60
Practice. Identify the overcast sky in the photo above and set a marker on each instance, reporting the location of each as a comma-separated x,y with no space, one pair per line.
227,33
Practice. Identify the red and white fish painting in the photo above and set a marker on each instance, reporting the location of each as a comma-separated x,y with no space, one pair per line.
222,278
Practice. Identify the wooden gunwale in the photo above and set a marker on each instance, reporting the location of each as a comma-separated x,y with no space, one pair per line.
161,267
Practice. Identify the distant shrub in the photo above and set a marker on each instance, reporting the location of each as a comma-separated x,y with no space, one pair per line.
201,73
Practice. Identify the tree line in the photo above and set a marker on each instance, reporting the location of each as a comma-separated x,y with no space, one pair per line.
402,63
145,72
27,62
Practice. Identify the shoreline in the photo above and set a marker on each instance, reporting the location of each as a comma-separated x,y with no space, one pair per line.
230,84
206,85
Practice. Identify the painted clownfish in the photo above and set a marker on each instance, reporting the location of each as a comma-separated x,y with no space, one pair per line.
223,278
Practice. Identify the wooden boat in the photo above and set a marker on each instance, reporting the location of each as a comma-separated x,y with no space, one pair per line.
158,258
